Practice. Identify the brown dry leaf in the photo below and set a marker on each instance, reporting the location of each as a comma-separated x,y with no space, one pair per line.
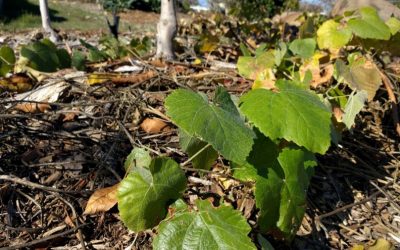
70,116
324,76
338,113
30,107
68,221
154,125
102,200
319,76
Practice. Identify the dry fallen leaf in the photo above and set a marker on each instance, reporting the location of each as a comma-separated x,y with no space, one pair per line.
338,113
154,125
30,107
102,200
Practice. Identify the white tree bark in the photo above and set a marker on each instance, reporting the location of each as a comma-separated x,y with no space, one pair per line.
44,12
166,30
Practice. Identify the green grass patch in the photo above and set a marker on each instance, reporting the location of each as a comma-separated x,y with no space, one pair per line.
22,15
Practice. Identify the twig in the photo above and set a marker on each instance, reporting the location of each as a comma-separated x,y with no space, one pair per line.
388,196
393,101
35,185
75,215
344,208
196,180
195,155
38,241
156,112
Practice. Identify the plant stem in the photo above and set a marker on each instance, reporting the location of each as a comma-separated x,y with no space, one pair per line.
195,155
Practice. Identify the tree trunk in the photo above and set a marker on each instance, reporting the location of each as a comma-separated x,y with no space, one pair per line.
1,7
44,12
166,30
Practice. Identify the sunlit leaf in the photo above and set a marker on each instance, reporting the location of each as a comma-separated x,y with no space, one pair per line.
361,74
353,107
292,113
7,60
226,132
332,35
393,24
303,47
206,228
369,25
139,157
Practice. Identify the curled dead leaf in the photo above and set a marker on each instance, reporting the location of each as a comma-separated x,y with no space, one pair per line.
337,113
30,107
102,200
154,125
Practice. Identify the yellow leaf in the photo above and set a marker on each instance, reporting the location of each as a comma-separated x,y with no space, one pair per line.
381,244
102,200
98,78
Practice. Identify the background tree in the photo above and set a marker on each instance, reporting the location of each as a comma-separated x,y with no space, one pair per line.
259,9
166,29
44,12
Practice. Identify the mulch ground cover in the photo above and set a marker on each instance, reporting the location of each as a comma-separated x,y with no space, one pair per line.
54,157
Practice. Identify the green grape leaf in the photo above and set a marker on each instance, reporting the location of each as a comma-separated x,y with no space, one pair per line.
361,74
64,58
303,47
227,133
298,168
263,152
253,67
7,60
281,182
78,60
224,100
292,113
264,243
369,25
207,228
192,145
353,107
280,53
45,57
138,157
394,25
145,194
331,35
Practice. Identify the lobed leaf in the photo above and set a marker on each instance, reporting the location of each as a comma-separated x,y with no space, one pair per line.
370,25
394,25
191,145
303,47
353,107
138,157
331,35
282,180
7,60
293,114
226,132
144,195
361,74
207,228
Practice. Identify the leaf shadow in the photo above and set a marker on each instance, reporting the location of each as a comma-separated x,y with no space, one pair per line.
14,9
343,177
